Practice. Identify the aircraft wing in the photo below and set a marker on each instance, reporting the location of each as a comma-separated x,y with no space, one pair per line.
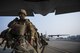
11,7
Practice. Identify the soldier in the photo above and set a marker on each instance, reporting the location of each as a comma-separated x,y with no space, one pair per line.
22,30
43,42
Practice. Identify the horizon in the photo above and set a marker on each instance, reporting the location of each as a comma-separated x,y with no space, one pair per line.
50,24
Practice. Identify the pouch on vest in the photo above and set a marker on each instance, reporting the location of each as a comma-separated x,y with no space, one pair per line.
18,29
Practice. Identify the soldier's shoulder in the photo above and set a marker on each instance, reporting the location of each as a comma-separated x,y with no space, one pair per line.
27,20
15,19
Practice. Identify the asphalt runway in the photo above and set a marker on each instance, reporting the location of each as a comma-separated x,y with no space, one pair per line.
63,47
57,47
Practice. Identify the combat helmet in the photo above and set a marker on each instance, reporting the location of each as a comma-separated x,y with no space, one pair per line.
22,11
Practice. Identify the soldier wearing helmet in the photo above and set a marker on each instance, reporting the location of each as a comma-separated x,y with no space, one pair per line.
22,14
21,30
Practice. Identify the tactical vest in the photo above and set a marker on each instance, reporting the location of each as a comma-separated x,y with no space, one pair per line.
18,29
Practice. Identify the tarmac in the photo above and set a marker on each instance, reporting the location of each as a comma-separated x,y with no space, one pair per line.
57,47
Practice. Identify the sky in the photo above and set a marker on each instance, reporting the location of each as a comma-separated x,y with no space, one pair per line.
68,23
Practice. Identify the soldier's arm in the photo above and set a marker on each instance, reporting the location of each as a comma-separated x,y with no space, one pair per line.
28,24
12,23
32,26
2,42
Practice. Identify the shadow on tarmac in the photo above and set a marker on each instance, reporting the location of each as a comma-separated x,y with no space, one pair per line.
5,51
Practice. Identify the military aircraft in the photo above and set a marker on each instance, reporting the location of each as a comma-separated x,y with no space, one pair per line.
57,35
51,36
43,7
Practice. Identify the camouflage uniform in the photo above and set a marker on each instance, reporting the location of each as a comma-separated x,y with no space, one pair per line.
22,45
23,35
22,31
